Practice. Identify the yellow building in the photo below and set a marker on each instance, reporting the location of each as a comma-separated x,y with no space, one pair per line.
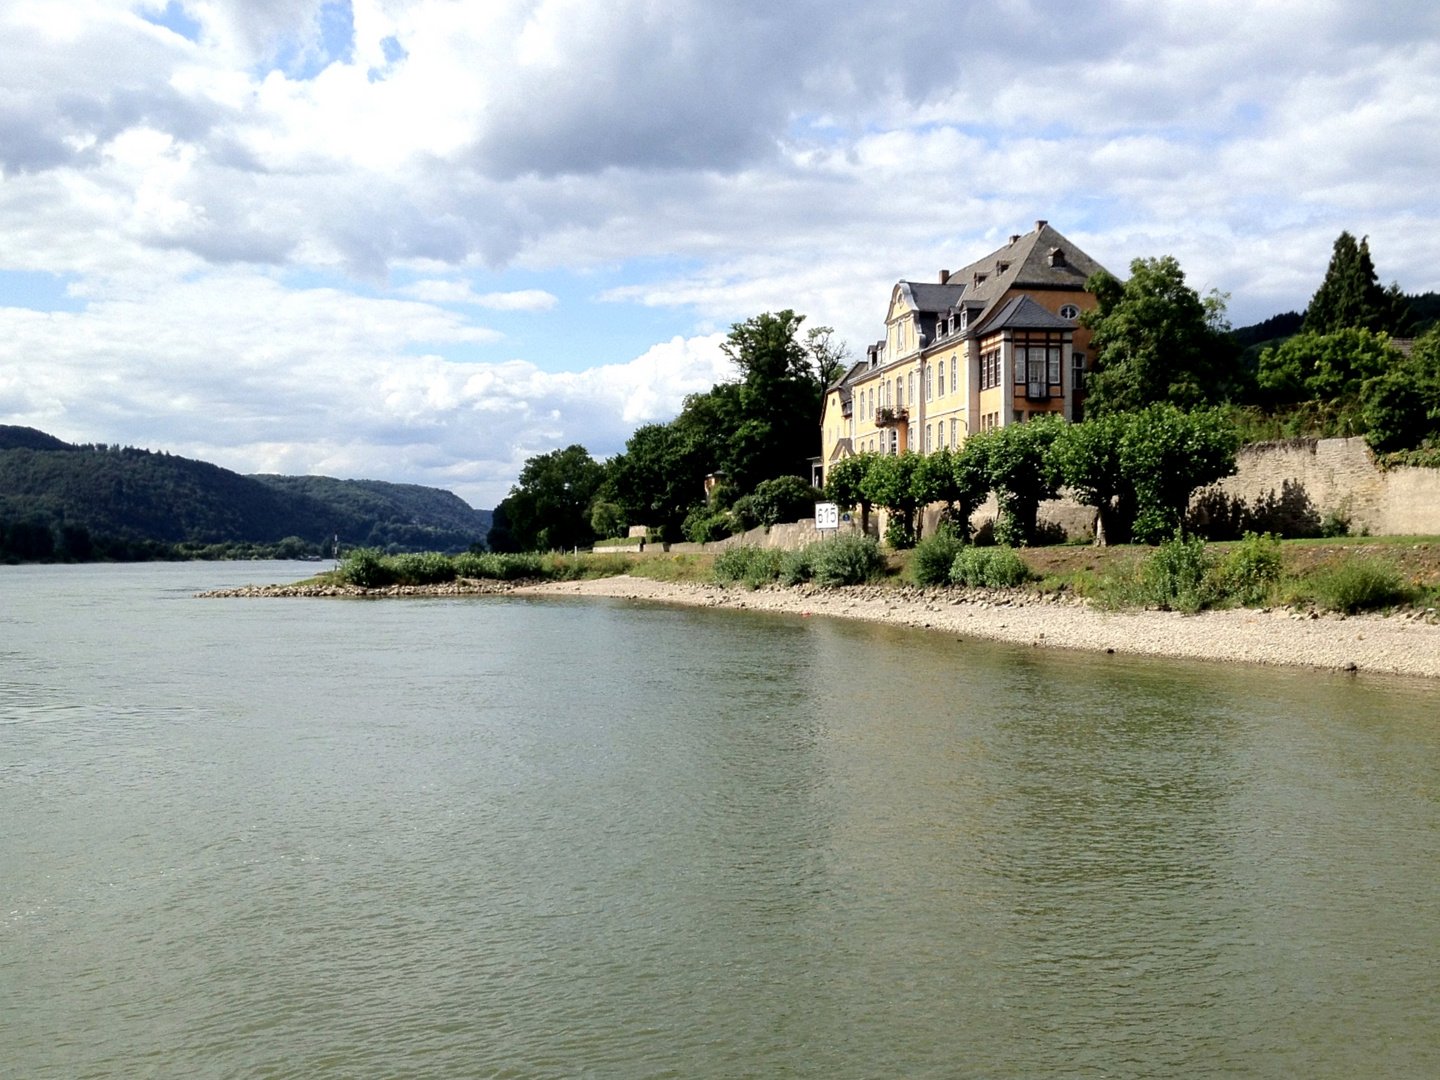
994,344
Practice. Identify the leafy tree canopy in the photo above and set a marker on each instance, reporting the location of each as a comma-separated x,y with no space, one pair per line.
1402,406
1323,367
1351,295
1156,339
550,506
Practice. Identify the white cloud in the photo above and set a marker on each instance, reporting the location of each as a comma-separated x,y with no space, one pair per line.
793,156
460,292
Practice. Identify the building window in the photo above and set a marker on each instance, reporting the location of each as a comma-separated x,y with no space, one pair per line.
954,431
1054,365
1069,311
894,441
910,392
928,446
1037,383
1077,370
954,375
929,382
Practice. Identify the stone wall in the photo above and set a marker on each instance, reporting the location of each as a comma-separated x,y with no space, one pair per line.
777,537
1293,487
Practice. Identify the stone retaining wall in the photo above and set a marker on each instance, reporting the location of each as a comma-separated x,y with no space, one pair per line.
1293,487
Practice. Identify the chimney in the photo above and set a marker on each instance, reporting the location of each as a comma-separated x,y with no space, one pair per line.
1014,238
1040,224
944,277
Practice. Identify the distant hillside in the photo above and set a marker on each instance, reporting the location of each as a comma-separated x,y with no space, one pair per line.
139,495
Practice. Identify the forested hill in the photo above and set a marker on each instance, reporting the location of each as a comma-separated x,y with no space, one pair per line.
140,495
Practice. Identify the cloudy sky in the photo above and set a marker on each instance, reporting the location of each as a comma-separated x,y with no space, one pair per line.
421,240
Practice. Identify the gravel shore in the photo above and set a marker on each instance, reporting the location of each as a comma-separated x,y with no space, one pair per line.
1407,644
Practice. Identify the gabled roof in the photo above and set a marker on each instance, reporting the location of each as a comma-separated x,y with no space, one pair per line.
842,450
1022,313
931,298
843,383
1027,262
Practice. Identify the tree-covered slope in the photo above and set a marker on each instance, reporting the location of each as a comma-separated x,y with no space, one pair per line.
141,495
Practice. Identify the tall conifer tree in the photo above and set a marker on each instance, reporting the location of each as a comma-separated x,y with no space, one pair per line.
1351,295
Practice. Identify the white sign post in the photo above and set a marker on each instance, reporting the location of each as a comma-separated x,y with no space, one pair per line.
827,516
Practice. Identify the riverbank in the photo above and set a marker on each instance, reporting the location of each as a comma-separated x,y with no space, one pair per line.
322,588
1401,644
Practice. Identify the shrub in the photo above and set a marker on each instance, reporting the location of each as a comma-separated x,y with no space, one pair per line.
704,524
743,515
1356,584
846,560
934,556
504,567
1173,576
990,568
749,565
1251,570
783,499
797,567
368,568
422,568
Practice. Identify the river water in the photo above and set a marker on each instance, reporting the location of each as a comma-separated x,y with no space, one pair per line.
496,837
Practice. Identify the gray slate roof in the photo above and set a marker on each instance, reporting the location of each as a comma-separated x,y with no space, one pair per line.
1023,313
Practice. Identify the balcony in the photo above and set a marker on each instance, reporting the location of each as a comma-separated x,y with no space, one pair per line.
886,417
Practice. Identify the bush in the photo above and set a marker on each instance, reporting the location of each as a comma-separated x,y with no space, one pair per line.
784,499
934,556
1173,576
743,515
423,568
1251,570
989,568
749,565
368,568
798,567
705,524
845,560
1357,584
503,567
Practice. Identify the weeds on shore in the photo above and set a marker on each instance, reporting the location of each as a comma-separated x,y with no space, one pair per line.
372,569
845,560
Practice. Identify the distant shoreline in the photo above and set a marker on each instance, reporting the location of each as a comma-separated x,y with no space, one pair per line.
1402,644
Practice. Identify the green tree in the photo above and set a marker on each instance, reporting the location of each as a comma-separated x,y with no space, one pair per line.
1088,461
778,401
1351,295
1165,455
829,356
607,519
661,474
549,507
1402,406
1325,367
892,481
1156,339
845,487
1017,464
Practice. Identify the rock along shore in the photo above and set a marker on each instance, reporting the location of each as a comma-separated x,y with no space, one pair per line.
1406,644
1403,644
462,587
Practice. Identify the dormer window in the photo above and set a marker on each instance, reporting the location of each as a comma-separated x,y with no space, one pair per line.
1057,257
1001,267
964,318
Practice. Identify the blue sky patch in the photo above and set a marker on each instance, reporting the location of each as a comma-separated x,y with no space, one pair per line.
174,18
336,44
38,291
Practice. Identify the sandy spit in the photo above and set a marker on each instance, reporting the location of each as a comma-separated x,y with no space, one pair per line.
462,587
1406,644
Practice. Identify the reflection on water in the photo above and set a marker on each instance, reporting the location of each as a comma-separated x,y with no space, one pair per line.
494,837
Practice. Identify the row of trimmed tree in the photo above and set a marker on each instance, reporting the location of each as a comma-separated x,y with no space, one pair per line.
1137,469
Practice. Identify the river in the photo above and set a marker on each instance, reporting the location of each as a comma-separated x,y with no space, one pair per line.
535,838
